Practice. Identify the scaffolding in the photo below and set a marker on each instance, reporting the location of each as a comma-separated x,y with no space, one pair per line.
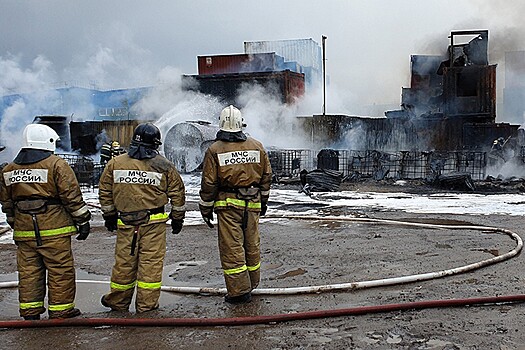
288,163
86,170
379,165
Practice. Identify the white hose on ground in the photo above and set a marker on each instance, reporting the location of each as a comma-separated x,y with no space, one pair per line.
352,285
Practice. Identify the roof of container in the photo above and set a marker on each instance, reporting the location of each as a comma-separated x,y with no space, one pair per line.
306,52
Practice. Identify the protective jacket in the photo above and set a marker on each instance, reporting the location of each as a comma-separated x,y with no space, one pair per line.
132,188
235,183
229,166
39,191
51,179
108,151
129,185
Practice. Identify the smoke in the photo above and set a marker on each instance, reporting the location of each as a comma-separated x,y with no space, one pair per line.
15,79
112,59
170,103
268,119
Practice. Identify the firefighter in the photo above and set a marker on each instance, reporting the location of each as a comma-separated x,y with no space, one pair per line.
110,150
235,184
133,190
42,201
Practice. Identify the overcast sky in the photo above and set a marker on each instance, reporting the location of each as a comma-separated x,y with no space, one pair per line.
119,43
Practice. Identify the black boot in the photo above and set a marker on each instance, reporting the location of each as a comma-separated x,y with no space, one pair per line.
240,299
103,302
32,318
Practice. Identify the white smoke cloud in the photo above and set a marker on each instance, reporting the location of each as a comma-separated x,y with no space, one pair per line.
14,78
112,60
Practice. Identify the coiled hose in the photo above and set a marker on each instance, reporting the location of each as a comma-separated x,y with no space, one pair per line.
172,322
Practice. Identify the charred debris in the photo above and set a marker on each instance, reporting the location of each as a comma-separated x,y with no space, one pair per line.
444,135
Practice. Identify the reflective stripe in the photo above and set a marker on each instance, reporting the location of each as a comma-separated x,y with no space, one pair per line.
235,270
61,307
45,233
80,211
238,202
117,286
159,216
152,218
205,204
32,305
253,268
149,285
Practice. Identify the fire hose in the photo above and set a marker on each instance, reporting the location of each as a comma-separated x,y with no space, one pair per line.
263,319
310,289
359,284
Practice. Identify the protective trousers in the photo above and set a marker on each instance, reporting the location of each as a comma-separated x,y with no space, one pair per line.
144,269
239,251
55,256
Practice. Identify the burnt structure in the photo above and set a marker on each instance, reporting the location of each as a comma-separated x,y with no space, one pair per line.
451,102
449,106
285,85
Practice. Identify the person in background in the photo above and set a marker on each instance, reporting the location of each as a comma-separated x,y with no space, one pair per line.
110,150
43,204
236,178
133,190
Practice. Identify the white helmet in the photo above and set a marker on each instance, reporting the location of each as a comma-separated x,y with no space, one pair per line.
39,136
231,119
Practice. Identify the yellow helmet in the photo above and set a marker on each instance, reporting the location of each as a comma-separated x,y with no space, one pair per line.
115,144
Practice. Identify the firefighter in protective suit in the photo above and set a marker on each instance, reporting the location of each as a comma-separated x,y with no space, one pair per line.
110,150
236,178
43,204
133,190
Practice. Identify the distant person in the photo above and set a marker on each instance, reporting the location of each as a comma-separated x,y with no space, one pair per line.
42,201
133,191
236,178
110,150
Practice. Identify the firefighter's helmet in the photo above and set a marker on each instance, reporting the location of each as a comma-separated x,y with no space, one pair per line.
115,144
39,136
148,135
231,119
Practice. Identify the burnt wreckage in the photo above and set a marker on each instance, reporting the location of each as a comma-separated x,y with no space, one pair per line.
446,123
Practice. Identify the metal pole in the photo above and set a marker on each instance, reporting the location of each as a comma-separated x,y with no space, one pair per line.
324,76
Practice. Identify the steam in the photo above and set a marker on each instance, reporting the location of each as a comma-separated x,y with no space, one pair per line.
14,78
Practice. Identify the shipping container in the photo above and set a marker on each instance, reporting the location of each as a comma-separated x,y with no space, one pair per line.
239,63
306,52
286,84
87,136
470,90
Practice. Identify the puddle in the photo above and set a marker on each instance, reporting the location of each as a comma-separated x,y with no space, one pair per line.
88,294
299,207
174,268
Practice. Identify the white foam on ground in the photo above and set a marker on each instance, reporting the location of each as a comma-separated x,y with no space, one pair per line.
442,203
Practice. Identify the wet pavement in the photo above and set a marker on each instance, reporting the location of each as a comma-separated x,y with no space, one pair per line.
305,253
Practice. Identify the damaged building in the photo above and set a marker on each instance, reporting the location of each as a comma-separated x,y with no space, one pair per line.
446,123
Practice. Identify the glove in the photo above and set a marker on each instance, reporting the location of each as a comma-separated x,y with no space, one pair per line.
110,221
176,226
207,215
83,231
264,208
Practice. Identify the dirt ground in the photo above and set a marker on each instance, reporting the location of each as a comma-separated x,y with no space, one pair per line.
307,253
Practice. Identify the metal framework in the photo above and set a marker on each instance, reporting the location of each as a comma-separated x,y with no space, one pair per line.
380,165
